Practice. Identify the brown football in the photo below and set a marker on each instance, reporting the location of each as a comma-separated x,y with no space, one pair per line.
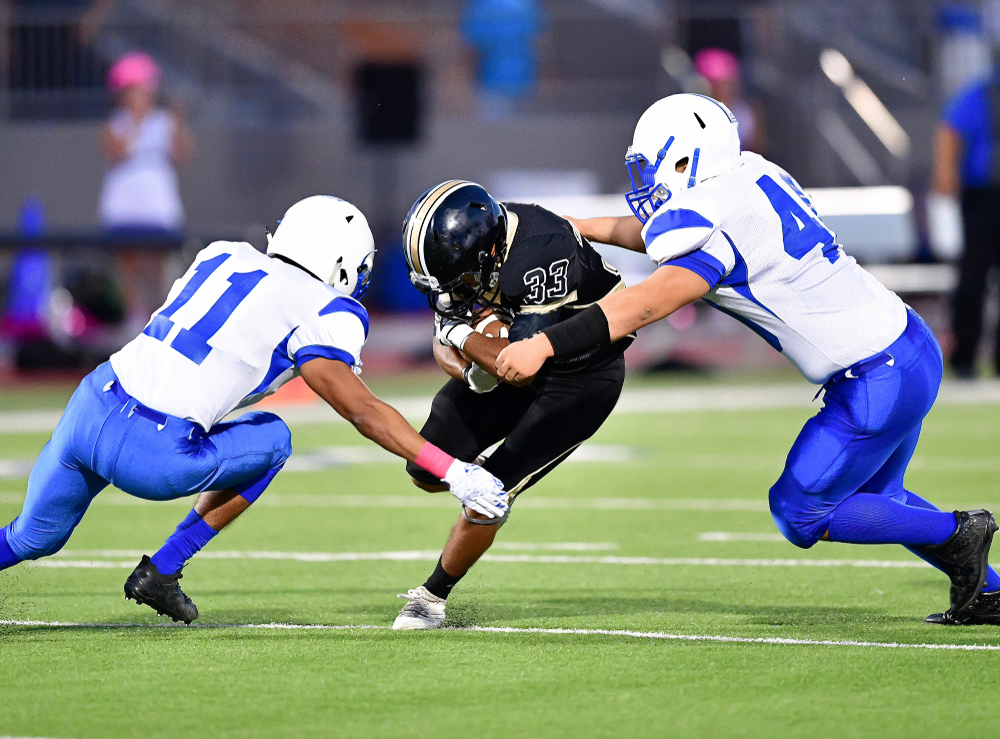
489,324
492,325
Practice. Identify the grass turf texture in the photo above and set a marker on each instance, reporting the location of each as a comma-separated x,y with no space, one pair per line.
102,682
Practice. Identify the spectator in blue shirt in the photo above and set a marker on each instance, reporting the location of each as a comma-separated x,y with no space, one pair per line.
967,164
503,32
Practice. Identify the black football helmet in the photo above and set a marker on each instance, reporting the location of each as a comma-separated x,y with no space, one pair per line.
454,238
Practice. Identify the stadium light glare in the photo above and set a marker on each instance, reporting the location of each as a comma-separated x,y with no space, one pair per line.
836,67
865,102
861,201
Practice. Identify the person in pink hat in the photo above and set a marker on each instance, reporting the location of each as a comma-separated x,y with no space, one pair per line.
143,145
721,69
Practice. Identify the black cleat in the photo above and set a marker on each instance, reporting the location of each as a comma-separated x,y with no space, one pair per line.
964,557
985,611
162,593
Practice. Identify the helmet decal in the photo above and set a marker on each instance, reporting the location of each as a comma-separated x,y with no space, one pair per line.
418,222
723,108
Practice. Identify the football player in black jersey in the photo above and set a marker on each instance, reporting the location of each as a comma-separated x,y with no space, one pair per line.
471,255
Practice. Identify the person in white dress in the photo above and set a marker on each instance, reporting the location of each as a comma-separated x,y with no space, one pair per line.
140,199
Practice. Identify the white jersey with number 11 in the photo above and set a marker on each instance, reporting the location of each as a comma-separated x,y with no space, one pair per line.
235,328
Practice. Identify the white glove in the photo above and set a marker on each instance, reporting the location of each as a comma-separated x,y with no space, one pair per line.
478,379
452,331
477,489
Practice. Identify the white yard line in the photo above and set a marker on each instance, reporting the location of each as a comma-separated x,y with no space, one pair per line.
25,422
101,559
423,500
558,546
771,641
728,536
329,458
637,401
318,460
735,639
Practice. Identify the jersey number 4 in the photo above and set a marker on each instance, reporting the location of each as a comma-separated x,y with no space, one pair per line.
193,342
801,230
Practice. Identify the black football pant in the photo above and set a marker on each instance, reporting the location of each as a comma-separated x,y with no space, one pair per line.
981,213
540,424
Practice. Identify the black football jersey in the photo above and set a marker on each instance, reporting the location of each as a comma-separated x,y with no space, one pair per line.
548,273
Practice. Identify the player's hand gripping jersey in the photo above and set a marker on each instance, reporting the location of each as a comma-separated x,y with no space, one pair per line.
236,327
755,237
547,274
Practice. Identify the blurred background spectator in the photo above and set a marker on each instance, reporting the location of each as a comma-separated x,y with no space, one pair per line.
721,69
140,198
967,164
142,143
504,34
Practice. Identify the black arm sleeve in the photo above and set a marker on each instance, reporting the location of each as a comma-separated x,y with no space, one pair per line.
582,332
526,325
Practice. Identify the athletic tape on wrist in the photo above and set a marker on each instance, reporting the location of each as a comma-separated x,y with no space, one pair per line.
434,460
462,332
586,330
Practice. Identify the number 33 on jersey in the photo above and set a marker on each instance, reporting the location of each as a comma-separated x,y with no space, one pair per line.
234,328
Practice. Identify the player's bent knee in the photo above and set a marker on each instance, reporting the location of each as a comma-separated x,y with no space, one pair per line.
282,440
270,432
793,521
36,545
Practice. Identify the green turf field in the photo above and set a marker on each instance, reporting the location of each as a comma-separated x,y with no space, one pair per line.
664,482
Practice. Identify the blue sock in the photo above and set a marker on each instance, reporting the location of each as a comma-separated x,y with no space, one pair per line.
253,489
7,556
875,519
191,535
992,578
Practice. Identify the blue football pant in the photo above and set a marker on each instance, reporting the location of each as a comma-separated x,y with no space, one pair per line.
863,438
104,437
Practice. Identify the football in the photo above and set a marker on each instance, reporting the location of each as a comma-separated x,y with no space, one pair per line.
492,324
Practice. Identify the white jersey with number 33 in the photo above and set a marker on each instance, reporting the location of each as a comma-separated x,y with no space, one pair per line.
236,327
755,237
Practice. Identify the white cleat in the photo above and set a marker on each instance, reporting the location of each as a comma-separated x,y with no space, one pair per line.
423,611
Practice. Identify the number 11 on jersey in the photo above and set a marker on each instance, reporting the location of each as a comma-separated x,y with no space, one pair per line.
193,342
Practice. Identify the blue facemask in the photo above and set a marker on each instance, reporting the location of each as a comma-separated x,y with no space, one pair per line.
644,200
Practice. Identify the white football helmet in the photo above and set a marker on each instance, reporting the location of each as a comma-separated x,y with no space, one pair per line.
684,126
331,239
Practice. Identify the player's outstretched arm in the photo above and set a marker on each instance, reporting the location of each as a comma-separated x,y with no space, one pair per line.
614,317
337,384
625,231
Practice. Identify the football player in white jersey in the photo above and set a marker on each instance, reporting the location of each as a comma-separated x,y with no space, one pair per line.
738,231
237,326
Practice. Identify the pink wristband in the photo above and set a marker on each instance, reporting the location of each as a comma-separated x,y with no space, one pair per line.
434,460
